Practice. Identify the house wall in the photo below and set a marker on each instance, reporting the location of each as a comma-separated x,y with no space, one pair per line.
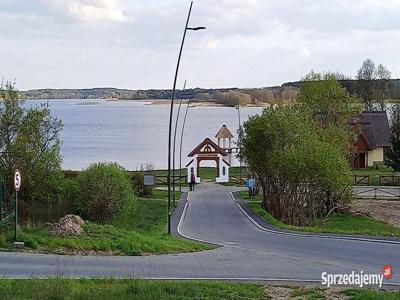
375,156
223,177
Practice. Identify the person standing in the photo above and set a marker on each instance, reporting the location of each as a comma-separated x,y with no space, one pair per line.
192,182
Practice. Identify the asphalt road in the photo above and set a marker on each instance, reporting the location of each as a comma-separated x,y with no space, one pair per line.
377,192
246,253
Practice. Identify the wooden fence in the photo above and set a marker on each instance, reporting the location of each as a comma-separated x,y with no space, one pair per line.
389,180
360,179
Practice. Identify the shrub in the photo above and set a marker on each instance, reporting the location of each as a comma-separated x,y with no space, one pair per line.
103,191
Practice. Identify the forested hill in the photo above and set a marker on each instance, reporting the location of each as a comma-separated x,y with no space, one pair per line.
123,94
286,92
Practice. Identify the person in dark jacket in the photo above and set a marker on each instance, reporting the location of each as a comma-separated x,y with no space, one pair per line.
192,181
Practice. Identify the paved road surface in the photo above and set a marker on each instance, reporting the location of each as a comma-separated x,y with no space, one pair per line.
378,192
247,253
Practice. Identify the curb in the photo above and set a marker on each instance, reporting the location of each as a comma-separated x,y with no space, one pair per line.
308,235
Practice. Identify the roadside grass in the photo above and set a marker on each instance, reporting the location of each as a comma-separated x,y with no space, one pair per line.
133,232
352,294
57,288
338,223
126,289
373,173
365,294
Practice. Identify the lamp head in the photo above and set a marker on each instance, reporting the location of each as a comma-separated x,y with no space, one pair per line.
196,28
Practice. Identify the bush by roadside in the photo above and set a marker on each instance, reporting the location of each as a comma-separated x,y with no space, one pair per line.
103,191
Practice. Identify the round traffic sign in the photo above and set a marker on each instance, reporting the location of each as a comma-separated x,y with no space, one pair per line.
17,180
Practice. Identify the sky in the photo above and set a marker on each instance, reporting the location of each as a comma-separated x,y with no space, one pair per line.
134,44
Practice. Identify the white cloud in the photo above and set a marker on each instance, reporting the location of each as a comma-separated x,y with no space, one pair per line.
306,51
248,43
89,10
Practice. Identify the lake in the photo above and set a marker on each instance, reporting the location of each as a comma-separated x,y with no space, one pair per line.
134,133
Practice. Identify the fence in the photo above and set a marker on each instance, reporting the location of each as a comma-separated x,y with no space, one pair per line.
35,211
237,179
163,179
389,180
38,212
377,193
361,180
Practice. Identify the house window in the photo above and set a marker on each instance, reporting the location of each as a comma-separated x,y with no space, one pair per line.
223,171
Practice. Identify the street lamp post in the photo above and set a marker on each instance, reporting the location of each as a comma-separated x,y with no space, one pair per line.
240,133
171,112
180,149
173,152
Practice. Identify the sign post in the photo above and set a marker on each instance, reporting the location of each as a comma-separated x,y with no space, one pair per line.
17,186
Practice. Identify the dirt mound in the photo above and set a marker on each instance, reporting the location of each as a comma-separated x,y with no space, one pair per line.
68,225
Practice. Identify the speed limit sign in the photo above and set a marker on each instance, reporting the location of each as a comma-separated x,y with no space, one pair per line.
17,180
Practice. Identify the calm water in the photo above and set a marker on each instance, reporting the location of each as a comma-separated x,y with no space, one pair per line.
133,134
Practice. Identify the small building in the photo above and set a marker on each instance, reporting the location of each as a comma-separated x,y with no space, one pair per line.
225,138
209,151
374,139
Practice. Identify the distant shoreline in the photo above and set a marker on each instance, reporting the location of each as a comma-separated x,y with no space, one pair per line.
193,103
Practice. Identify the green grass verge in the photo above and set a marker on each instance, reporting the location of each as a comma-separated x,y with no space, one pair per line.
138,232
338,223
112,289
126,289
352,294
363,294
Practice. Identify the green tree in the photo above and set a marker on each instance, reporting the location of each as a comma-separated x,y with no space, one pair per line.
393,156
302,177
333,109
29,140
104,190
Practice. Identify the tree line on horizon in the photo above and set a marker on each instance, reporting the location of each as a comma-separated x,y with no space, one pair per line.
372,83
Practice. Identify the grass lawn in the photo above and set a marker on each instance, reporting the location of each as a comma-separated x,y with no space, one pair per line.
339,223
135,232
352,294
152,289
359,294
126,289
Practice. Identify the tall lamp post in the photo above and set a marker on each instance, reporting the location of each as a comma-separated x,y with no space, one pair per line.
240,133
171,112
180,148
173,151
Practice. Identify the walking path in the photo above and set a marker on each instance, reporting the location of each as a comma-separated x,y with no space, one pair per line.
246,252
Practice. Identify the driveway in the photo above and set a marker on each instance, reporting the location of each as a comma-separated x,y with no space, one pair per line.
247,252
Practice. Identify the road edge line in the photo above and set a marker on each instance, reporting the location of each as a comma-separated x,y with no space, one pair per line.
178,228
299,234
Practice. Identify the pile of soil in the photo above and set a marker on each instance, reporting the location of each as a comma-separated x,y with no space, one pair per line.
68,225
